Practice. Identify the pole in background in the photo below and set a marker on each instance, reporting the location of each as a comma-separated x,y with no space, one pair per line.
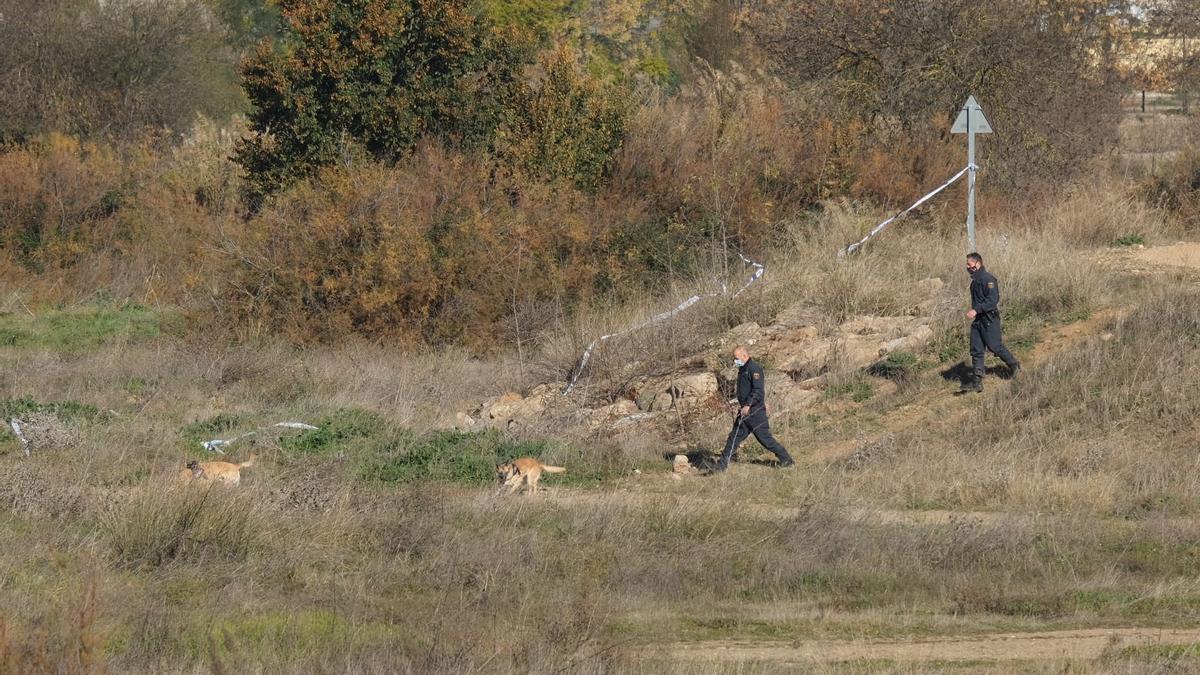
970,121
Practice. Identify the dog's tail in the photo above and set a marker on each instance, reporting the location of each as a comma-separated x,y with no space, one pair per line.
553,469
249,462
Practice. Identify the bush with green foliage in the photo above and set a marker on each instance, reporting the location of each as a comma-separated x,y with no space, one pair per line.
568,126
375,76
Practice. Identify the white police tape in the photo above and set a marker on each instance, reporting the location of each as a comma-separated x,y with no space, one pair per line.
759,270
880,227
15,425
758,273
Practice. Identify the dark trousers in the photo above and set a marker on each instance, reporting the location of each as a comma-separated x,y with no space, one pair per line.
754,423
985,333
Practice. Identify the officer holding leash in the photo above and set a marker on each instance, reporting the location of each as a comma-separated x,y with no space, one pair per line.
751,417
985,324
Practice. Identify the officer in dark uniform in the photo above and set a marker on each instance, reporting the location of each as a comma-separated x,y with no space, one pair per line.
985,324
752,415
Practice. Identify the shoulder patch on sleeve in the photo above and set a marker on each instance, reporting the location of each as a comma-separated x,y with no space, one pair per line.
758,376
991,284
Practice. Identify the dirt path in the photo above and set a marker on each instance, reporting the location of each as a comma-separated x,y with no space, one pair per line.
1183,254
1179,259
1067,644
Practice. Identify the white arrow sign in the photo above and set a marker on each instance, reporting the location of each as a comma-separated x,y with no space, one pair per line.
970,119
970,122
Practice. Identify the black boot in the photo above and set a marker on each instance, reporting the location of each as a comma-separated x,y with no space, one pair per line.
1013,369
975,384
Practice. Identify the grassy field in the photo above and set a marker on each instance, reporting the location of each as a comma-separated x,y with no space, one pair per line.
1048,525
1063,501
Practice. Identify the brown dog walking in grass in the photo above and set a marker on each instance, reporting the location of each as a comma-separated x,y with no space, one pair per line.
227,473
524,471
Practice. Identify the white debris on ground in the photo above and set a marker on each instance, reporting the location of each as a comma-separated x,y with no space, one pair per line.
15,425
216,444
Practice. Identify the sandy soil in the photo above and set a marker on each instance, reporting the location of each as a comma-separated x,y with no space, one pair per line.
1069,644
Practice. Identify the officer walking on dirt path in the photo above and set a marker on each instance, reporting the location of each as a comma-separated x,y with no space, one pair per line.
751,416
985,324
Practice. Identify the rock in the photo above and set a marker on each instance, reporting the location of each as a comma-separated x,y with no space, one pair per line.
798,316
744,334
507,411
700,385
463,421
805,357
856,351
662,393
913,342
662,402
636,418
791,398
681,465
887,327
622,408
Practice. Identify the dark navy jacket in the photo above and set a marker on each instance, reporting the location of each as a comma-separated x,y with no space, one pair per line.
750,384
985,293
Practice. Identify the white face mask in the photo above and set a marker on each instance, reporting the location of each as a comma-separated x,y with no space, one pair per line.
739,363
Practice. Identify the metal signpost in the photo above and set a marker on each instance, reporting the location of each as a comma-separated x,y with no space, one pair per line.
971,121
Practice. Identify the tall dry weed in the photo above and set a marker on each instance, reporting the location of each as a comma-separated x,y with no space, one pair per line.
191,523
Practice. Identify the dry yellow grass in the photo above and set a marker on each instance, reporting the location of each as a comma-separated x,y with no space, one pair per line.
1063,500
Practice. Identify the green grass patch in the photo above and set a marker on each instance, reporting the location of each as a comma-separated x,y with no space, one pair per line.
951,345
221,425
1135,239
857,388
456,456
336,431
66,411
85,327
1187,652
717,628
277,637
898,366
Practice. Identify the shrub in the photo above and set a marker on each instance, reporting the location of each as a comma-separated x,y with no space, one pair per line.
380,75
111,68
902,74
567,126
57,195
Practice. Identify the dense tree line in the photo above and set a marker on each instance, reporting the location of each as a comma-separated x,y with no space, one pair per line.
455,170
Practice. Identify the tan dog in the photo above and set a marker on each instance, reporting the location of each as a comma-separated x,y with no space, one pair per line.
524,471
227,473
